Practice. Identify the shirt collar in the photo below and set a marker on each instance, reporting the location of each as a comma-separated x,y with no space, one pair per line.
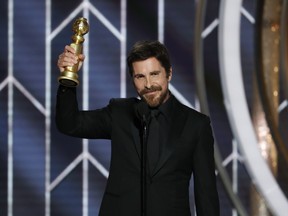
166,108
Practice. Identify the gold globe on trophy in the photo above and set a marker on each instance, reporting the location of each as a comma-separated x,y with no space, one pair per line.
69,77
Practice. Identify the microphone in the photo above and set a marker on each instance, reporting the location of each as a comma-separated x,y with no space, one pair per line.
143,112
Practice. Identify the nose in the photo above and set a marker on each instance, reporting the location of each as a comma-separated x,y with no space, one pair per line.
147,83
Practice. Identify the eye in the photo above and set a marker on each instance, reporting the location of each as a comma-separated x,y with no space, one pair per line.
155,73
138,76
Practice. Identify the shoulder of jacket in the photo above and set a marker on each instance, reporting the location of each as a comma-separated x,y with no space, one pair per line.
193,112
123,101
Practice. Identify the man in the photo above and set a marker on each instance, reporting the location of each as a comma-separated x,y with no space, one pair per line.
184,147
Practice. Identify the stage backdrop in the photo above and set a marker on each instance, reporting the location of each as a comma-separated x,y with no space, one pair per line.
43,172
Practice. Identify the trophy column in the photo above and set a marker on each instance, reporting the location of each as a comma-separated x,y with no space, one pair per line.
69,77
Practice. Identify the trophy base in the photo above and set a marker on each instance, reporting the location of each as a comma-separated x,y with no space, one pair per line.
68,79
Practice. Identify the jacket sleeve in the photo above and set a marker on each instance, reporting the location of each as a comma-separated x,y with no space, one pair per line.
84,124
205,189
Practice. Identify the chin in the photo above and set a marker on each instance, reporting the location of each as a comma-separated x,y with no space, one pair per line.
153,102
153,105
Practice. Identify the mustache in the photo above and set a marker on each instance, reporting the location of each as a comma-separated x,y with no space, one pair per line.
151,89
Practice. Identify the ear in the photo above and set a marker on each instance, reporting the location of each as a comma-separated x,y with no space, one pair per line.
170,75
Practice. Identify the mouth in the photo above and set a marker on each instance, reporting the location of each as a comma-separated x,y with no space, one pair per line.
150,92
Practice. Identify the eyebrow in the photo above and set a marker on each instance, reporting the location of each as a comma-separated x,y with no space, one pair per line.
142,74
156,71
138,75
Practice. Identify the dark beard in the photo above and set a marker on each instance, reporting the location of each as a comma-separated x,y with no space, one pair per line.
152,101
151,89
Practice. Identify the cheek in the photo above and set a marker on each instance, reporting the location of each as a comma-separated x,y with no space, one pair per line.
137,86
164,85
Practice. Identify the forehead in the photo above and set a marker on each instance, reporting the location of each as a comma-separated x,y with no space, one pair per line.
146,66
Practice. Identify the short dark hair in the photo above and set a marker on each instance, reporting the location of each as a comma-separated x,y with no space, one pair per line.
143,50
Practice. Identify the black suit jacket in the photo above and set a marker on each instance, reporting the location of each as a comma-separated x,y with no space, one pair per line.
189,150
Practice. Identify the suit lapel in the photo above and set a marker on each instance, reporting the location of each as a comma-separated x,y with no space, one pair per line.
136,138
135,126
178,122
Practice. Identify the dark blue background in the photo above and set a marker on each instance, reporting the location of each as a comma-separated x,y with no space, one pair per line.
104,75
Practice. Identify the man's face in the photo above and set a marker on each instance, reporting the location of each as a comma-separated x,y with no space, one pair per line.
151,81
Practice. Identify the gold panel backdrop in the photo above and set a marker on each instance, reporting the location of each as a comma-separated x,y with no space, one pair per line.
270,54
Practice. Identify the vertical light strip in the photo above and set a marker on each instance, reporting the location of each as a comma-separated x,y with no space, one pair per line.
85,142
161,17
85,184
47,106
123,44
10,106
234,171
161,27
235,166
85,81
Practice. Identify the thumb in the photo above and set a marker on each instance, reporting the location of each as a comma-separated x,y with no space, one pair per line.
81,58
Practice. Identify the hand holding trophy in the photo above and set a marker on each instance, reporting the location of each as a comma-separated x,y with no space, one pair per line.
69,76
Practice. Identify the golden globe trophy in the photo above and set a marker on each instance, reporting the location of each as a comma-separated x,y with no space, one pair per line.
69,76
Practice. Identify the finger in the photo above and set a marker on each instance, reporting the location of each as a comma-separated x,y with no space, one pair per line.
69,49
70,57
81,57
61,63
65,61
80,65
